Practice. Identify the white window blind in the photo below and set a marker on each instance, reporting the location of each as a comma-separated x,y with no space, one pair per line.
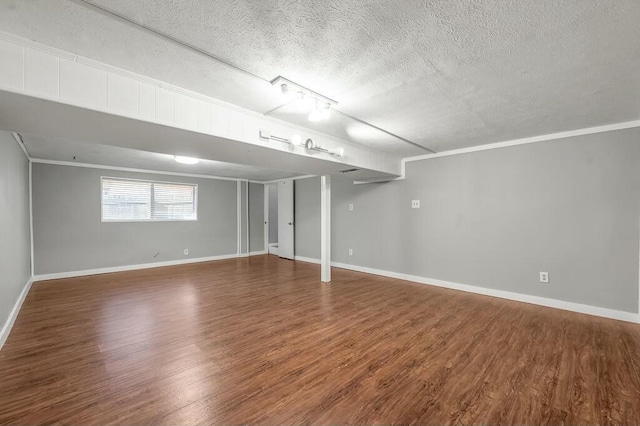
128,200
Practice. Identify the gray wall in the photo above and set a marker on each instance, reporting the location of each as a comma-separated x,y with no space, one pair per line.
497,218
256,216
243,217
15,237
273,213
69,236
307,217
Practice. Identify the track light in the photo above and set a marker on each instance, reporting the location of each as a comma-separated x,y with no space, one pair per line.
315,115
321,111
325,111
318,106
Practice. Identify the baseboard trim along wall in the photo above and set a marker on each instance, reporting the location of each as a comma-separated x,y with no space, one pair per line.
72,274
519,297
6,329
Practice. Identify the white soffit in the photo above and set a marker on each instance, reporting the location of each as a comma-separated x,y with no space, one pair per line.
64,150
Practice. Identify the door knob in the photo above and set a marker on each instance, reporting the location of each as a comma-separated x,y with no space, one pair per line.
290,223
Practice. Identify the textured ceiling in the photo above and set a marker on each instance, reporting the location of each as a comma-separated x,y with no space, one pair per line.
59,149
445,74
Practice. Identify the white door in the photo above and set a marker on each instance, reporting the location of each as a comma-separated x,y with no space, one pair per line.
285,219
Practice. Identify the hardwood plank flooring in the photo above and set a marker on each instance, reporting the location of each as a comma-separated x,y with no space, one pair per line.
261,341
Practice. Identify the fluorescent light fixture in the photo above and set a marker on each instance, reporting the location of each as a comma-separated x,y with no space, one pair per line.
186,160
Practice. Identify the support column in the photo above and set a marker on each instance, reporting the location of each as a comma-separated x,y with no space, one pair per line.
325,229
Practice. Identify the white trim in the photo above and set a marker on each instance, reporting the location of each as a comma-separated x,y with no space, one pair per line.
288,178
506,144
71,274
325,229
33,260
18,139
541,138
266,217
239,218
257,253
37,46
6,329
519,297
128,169
247,218
307,259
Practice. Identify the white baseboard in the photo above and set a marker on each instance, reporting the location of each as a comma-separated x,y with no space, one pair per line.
257,253
71,274
6,329
535,300
311,260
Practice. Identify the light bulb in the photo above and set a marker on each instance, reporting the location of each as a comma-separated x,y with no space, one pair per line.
296,139
325,111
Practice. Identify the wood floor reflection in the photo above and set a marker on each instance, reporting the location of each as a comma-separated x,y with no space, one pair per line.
260,340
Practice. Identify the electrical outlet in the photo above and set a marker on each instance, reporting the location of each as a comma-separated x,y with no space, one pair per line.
415,204
350,252
350,206
544,277
186,251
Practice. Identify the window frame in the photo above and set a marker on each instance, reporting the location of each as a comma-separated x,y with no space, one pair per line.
152,182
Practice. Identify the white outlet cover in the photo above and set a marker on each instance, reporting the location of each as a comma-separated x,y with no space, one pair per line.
415,204
350,252
186,251
544,277
350,206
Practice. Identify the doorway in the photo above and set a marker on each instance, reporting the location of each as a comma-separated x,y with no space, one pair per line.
280,226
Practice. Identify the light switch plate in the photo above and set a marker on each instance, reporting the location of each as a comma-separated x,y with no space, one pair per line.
415,204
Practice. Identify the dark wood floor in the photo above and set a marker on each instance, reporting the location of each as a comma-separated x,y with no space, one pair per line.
260,340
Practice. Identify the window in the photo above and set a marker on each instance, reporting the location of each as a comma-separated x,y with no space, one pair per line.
129,200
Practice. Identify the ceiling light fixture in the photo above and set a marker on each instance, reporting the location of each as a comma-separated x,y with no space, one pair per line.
321,111
296,140
318,106
311,145
186,160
